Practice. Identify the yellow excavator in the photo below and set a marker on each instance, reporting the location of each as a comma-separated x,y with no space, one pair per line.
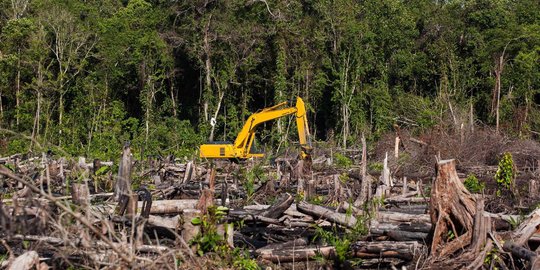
242,147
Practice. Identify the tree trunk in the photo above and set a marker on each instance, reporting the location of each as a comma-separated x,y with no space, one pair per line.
18,87
361,249
365,186
495,104
325,213
35,129
452,211
123,182
276,210
211,138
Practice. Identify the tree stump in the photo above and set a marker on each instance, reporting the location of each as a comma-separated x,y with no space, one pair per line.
189,231
452,212
80,194
123,183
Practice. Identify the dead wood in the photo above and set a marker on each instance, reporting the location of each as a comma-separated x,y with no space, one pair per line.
189,231
325,213
235,215
396,217
381,227
6,172
452,209
402,199
26,261
361,249
55,241
283,203
80,194
123,182
527,228
519,251
365,193
299,242
170,207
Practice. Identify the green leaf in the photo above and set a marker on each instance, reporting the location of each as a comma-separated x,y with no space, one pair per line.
196,221
102,170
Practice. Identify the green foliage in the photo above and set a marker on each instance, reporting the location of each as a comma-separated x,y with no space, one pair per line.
506,174
473,184
83,77
376,167
318,199
208,240
342,161
514,223
250,177
342,240
241,260
344,178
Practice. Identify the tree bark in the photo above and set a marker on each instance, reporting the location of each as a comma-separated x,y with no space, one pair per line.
123,182
25,262
452,210
277,210
361,249
325,213
365,187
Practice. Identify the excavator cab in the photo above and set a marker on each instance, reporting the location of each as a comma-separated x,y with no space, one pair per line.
243,146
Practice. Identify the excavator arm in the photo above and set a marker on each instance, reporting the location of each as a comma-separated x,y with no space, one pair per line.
241,148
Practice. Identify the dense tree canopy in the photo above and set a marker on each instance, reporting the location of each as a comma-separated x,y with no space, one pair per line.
85,76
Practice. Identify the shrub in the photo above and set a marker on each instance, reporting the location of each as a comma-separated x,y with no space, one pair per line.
506,174
473,184
342,161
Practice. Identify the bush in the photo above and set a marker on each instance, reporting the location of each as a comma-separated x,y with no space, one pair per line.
506,174
342,161
473,184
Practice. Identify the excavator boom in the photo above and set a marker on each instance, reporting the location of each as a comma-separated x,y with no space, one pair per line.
241,148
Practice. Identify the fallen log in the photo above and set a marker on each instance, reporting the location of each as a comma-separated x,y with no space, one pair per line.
362,249
98,244
26,261
170,206
401,231
277,210
401,199
527,228
519,251
328,214
235,215
396,217
380,227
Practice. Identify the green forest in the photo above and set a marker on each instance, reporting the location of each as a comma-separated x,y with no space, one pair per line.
83,77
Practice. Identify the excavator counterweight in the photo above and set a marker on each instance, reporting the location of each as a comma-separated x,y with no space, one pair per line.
242,146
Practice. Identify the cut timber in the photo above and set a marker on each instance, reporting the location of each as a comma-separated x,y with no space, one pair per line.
402,199
527,228
402,250
397,217
452,209
123,183
401,231
80,194
520,251
361,249
380,227
170,206
283,203
365,191
189,231
26,261
325,213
